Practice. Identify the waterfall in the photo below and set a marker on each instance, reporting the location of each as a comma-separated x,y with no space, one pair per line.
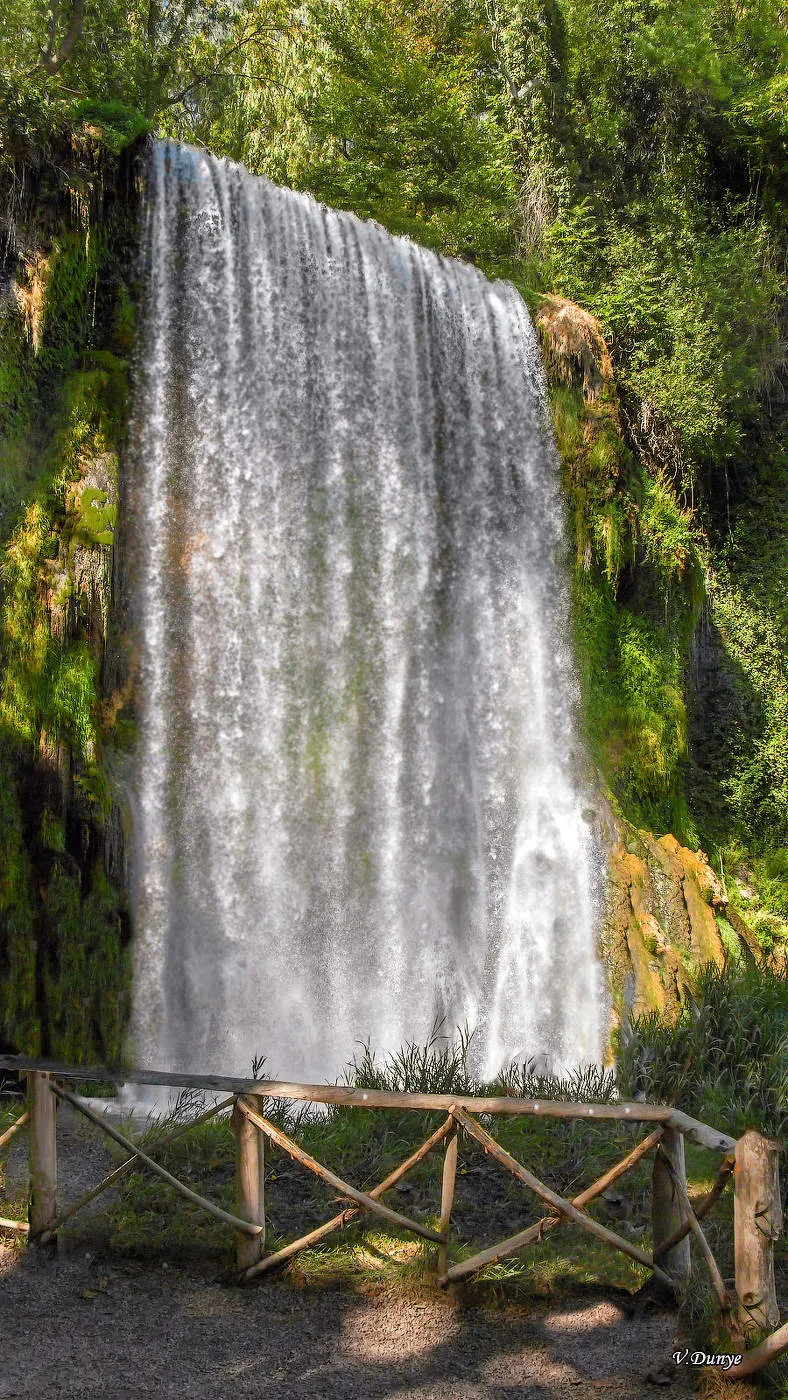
358,784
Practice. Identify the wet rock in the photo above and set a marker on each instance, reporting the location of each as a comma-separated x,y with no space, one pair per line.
660,925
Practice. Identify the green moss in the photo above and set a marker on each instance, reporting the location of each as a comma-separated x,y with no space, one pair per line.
631,670
606,452
86,969
730,940
97,517
48,685
63,957
116,124
568,418
19,1011
94,789
69,696
25,629
16,376
638,586
52,832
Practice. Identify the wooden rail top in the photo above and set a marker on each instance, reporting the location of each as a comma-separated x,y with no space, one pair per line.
345,1096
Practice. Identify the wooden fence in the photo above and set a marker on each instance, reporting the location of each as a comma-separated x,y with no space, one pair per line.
752,1162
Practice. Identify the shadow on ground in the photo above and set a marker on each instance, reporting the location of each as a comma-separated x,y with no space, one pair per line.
79,1327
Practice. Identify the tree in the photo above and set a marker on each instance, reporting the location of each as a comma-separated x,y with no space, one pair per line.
151,55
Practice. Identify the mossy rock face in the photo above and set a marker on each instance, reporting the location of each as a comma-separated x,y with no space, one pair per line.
93,519
638,578
641,941
661,922
64,926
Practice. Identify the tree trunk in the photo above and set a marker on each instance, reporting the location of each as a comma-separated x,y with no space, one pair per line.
52,59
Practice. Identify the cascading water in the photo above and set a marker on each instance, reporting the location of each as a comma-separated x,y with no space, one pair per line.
357,797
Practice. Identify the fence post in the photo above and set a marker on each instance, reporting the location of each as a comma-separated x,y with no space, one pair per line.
757,1222
42,1106
259,1103
447,1196
249,1199
667,1213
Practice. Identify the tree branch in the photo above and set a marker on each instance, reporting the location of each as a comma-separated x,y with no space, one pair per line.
53,61
218,70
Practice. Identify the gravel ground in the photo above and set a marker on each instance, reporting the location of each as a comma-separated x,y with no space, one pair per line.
86,1324
77,1328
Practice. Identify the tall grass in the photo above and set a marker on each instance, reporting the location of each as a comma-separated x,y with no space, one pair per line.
725,1059
438,1067
441,1066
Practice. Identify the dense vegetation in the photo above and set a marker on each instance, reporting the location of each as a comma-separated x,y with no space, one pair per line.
630,158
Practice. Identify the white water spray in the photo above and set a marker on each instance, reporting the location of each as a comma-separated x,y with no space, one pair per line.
357,785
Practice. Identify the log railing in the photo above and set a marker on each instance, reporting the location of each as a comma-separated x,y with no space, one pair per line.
752,1161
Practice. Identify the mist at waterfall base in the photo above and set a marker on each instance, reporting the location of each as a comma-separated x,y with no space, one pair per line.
358,802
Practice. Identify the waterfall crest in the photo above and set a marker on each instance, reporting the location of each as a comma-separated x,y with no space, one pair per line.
358,793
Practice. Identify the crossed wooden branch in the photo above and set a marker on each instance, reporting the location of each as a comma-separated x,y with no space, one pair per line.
20,1227
457,1117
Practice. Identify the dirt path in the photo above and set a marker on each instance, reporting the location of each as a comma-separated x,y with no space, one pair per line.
77,1328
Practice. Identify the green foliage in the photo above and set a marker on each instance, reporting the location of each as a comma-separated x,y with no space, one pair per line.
125,63
438,1067
758,889
392,112
87,971
671,242
673,547
691,311
774,881
726,1058
631,672
531,46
